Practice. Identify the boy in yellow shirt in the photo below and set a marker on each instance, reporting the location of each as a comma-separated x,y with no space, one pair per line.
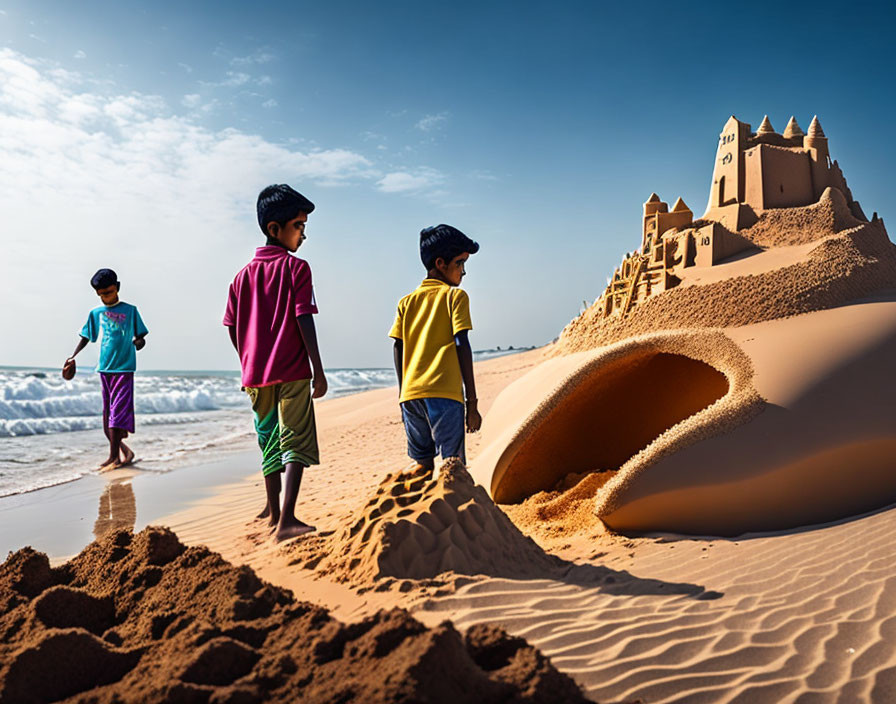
432,353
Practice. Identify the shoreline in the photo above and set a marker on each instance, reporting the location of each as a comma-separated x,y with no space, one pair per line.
59,520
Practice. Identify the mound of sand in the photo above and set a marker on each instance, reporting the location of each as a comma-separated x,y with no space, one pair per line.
563,511
780,227
417,527
846,265
143,618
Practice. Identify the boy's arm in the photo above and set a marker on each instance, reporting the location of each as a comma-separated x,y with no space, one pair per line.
232,330
309,337
398,359
140,331
465,357
82,343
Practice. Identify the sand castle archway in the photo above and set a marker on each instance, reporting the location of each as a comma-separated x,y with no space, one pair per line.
613,412
614,408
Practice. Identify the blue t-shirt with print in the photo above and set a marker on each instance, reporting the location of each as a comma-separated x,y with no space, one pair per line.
119,324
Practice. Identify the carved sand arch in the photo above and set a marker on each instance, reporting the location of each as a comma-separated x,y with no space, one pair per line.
617,408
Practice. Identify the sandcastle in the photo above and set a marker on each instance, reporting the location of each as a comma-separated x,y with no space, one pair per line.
736,374
753,172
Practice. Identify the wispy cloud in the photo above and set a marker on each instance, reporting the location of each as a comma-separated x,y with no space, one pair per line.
236,78
428,123
96,151
270,103
417,180
192,100
185,67
257,57
482,175
79,54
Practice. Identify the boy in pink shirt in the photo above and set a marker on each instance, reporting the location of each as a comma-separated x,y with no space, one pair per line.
269,319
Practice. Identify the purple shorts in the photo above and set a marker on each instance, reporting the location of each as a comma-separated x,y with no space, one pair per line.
118,400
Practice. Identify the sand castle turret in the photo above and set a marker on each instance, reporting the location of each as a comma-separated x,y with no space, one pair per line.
765,127
793,130
654,205
680,207
815,138
816,144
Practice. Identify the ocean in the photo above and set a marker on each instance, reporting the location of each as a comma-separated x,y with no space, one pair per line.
51,429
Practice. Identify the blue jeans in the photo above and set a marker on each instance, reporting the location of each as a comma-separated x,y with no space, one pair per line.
434,426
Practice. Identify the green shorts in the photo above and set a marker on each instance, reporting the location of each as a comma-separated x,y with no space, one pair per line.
284,422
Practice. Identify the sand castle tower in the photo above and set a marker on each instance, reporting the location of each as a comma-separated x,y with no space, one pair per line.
754,172
762,170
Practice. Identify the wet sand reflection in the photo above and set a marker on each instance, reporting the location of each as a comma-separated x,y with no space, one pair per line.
118,509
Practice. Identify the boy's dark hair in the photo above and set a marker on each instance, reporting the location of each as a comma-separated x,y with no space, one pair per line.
103,278
280,203
443,241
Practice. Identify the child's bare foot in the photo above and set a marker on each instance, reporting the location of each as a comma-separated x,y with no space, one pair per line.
292,529
126,457
106,462
265,513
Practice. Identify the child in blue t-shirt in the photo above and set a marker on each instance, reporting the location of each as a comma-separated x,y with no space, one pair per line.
123,334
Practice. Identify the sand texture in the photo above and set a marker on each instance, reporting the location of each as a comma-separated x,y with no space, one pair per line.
144,618
711,433
793,616
804,616
417,527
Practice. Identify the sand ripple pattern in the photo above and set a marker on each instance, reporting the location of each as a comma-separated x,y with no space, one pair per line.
802,617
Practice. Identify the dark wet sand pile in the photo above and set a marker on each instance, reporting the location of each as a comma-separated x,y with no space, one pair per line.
848,264
144,618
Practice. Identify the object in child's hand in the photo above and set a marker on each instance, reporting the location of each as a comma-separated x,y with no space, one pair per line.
69,369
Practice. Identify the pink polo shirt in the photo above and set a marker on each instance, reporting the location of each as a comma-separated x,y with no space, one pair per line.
265,298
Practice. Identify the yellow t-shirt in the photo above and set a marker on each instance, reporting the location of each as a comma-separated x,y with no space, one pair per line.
426,322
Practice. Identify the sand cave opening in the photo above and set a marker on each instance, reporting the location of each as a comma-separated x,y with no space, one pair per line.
613,412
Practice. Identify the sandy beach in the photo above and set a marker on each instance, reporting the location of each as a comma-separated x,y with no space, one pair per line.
761,617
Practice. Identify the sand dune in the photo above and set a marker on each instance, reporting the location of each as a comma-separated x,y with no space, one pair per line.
751,430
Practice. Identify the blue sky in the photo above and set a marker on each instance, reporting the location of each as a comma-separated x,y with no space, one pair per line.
137,136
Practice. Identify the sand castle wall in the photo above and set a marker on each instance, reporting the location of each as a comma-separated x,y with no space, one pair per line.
846,265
